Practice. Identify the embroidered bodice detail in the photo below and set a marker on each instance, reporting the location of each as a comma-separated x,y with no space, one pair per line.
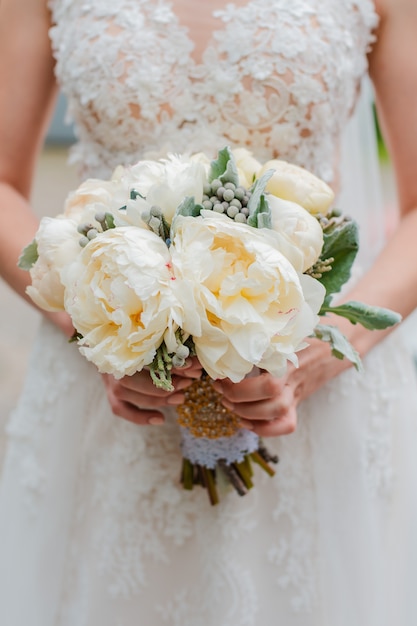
278,77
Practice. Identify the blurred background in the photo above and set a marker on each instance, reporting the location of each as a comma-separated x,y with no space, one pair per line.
54,179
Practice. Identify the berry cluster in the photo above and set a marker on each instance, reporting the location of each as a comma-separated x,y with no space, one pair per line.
228,199
89,232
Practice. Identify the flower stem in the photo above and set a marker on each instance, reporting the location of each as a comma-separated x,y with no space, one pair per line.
160,369
234,477
248,464
266,455
209,480
242,470
255,456
187,474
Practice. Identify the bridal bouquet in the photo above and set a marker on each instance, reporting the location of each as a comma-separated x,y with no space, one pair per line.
228,260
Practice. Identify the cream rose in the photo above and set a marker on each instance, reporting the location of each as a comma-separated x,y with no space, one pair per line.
247,166
120,297
301,233
57,241
294,183
246,295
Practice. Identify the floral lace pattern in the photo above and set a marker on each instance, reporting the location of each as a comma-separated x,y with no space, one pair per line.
28,434
284,88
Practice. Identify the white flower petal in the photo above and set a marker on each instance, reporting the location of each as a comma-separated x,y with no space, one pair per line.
119,293
297,184
247,294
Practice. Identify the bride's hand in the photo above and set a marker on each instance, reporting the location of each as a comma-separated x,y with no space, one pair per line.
136,399
267,404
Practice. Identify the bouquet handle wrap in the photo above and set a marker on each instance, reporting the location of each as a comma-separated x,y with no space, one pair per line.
213,442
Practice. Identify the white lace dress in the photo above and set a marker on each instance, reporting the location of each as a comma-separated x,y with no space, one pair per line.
94,527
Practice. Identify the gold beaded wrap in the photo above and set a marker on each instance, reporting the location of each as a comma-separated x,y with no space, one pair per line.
203,413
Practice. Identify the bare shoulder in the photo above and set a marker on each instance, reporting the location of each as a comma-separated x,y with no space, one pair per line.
402,8
27,86
23,8
17,16
393,69
20,13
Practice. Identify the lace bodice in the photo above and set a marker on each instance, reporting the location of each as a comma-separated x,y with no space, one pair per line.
278,77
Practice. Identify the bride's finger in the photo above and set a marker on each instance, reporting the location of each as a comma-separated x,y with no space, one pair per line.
141,417
251,389
263,410
191,373
284,425
142,383
142,400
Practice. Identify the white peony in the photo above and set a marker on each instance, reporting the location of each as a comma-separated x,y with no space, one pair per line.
120,297
248,300
293,338
107,196
203,159
167,182
57,241
297,184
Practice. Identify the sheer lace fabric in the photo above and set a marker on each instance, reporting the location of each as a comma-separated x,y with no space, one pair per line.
282,88
94,527
97,510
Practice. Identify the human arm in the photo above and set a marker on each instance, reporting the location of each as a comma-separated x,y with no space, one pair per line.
392,281
27,95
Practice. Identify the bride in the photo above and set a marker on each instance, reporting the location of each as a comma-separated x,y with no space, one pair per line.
94,527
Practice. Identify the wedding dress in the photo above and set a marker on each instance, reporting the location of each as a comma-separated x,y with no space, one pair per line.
95,529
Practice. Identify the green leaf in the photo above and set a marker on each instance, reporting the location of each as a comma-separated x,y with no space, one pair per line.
29,256
340,242
340,345
264,219
371,317
136,194
258,189
258,204
109,221
261,218
76,336
188,208
224,167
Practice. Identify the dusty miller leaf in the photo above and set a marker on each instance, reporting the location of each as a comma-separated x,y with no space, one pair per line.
340,345
188,208
224,167
371,317
29,256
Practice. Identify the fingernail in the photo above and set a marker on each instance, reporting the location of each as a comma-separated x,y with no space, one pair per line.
156,421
